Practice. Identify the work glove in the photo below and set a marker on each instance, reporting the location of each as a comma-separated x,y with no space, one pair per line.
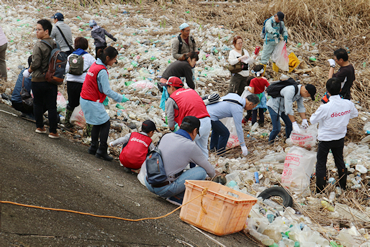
114,39
304,123
285,38
106,101
276,35
176,128
331,62
244,150
26,73
245,56
124,98
296,127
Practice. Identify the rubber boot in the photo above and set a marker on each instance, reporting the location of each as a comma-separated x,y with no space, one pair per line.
67,124
264,69
102,152
320,184
93,147
343,178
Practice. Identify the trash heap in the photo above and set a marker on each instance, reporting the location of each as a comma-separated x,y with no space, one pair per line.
144,46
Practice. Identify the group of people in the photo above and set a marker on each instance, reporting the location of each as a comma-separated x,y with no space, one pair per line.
183,106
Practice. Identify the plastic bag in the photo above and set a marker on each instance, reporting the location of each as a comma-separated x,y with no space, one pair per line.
233,138
61,102
246,92
298,168
142,174
307,137
280,56
77,117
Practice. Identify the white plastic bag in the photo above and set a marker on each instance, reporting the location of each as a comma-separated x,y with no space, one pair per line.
307,137
77,117
298,168
61,102
233,138
280,56
246,92
142,174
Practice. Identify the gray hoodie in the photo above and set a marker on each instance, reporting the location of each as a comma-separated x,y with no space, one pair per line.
98,34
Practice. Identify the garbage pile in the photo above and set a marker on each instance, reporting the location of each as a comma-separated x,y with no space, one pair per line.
144,46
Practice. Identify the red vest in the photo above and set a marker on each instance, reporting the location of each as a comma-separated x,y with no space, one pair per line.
189,103
90,90
134,154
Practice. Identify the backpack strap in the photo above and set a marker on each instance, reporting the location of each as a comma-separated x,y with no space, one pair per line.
233,101
180,43
65,40
193,41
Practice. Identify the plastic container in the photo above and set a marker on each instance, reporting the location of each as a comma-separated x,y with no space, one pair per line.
224,210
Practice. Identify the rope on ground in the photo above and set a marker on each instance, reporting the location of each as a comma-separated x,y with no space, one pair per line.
104,216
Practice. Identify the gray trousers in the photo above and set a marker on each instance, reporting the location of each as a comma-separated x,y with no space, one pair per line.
3,72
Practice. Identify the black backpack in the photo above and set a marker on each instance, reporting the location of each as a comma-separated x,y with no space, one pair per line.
180,42
274,89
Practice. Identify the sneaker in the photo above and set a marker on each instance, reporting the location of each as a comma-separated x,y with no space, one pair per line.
41,130
53,135
174,200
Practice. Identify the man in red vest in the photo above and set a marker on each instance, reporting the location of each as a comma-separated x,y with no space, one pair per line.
187,102
136,146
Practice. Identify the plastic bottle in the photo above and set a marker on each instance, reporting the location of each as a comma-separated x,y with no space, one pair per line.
263,238
332,196
331,180
327,206
254,127
256,177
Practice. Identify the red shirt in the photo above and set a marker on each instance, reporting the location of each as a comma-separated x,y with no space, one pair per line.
259,85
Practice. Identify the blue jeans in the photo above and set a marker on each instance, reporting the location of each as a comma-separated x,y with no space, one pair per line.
219,137
177,187
276,127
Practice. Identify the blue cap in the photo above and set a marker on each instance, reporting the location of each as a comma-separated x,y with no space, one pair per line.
92,23
183,26
58,16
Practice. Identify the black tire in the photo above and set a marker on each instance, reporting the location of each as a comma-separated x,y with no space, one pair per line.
277,191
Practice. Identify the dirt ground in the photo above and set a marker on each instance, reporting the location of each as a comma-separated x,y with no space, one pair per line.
40,171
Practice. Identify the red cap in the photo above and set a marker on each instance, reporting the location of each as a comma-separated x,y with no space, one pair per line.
174,81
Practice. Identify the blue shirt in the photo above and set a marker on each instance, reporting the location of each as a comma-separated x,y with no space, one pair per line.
226,109
16,97
94,112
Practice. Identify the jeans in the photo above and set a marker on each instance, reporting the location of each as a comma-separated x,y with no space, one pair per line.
219,137
45,99
276,127
202,140
74,91
177,187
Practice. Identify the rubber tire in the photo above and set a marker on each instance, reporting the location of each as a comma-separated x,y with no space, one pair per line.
277,191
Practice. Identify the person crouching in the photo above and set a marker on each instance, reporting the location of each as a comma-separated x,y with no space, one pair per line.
136,146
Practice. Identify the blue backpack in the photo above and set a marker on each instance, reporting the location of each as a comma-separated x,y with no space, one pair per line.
156,173
57,65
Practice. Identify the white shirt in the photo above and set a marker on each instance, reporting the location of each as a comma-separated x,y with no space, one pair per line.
333,118
88,61
233,59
